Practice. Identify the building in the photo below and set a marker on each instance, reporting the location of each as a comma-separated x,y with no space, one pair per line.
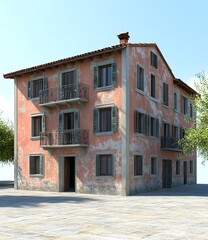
106,121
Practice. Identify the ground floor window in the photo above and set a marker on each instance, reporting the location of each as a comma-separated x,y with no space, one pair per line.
178,170
154,165
138,165
36,165
191,167
104,165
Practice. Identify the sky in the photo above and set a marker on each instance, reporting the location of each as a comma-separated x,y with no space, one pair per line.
40,31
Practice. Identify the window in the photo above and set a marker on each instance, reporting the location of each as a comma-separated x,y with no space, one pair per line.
175,103
178,168
152,90
184,107
105,76
37,125
166,129
36,165
35,86
105,119
138,165
153,165
154,60
191,167
165,94
191,110
104,165
140,78
68,78
154,127
68,120
141,123
182,132
175,132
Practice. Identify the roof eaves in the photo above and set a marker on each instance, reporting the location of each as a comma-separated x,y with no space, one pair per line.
184,86
63,61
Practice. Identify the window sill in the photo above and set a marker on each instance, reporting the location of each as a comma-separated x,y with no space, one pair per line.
35,138
165,106
34,99
138,176
104,133
154,175
153,99
139,91
104,177
140,135
107,88
176,111
36,175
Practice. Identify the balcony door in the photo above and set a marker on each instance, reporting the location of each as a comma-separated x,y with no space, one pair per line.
167,173
68,85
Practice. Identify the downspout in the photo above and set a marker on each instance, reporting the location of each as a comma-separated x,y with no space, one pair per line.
125,121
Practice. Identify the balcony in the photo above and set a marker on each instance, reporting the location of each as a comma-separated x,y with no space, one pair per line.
65,94
67,138
171,144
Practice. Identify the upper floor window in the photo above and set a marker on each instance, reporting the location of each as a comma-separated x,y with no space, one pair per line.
175,132
140,78
152,86
105,75
154,127
68,120
175,101
35,86
191,110
37,125
184,107
138,165
154,60
166,129
104,165
165,94
68,78
105,119
36,165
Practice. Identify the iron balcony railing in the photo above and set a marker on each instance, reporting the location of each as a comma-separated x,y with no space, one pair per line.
79,92
77,137
170,143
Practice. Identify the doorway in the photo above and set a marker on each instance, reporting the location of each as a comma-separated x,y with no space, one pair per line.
167,174
69,174
184,172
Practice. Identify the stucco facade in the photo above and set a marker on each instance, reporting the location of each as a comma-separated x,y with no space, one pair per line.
97,123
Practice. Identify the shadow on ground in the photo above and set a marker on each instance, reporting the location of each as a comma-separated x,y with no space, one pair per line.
185,190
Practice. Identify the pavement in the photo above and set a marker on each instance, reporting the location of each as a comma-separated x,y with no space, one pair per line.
178,213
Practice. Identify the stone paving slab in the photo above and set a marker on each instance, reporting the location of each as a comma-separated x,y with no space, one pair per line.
179,213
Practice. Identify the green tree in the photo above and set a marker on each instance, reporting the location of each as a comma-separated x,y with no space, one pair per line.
197,136
6,141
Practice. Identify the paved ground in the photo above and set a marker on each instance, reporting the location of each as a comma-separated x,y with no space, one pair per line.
180,213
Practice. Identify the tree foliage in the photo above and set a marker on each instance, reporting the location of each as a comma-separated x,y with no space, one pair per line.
197,135
6,141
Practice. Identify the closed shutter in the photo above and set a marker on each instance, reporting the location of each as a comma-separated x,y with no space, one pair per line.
110,165
41,164
95,120
30,89
181,132
114,119
95,77
164,93
76,120
135,121
167,95
43,123
61,122
157,127
32,165
45,83
146,124
97,165
114,74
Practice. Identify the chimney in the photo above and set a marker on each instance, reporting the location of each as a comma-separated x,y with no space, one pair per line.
124,37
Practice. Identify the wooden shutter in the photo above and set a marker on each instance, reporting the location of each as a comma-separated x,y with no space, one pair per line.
95,120
157,127
30,89
61,124
32,165
135,121
114,74
41,164
110,165
97,165
114,119
45,83
167,95
43,123
146,124
95,77
76,119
